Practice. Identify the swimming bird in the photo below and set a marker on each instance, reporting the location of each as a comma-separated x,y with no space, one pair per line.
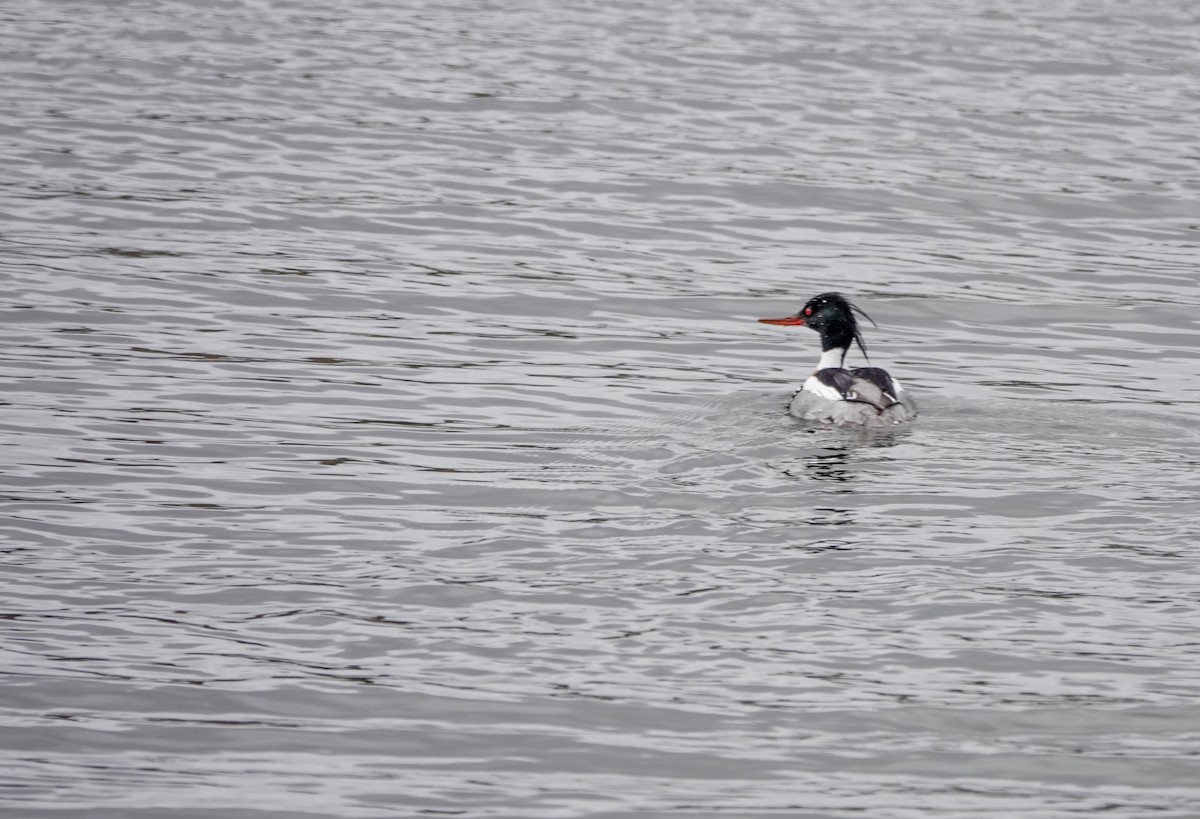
833,394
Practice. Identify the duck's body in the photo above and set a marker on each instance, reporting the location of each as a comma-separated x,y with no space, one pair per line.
862,397
833,394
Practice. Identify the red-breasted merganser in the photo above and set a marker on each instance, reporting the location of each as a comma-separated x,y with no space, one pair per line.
863,396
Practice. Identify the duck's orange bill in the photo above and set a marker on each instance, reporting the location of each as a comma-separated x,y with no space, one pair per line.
789,321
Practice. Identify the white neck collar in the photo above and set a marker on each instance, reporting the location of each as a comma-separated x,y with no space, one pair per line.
832,358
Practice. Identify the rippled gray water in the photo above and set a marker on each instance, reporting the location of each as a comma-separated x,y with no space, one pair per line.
387,431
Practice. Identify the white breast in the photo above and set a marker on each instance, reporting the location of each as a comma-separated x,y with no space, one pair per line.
820,389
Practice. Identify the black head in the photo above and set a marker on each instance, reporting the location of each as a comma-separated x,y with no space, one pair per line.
831,315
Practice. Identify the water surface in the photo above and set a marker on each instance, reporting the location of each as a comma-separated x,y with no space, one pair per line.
388,432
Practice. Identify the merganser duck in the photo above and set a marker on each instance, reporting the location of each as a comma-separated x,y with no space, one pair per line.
863,396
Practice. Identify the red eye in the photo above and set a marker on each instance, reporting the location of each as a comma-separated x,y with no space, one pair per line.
808,311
